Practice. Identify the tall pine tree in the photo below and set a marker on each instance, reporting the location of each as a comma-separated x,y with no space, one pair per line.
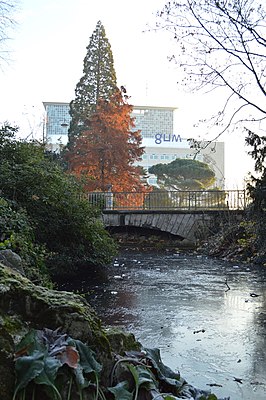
98,82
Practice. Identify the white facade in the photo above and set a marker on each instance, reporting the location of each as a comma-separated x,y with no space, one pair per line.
162,144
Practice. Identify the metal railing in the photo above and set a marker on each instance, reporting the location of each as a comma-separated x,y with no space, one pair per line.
171,200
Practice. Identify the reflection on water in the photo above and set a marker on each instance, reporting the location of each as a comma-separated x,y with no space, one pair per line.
181,304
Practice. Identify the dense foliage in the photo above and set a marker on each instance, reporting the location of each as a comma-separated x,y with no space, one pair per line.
17,234
98,81
183,174
246,240
103,145
106,152
257,190
52,206
52,365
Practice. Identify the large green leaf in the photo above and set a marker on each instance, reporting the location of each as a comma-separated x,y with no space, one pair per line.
120,391
142,377
30,343
87,360
48,375
163,370
171,380
81,381
146,378
28,368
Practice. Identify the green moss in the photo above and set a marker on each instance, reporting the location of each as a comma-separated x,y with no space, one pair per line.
6,341
25,306
12,324
41,307
121,341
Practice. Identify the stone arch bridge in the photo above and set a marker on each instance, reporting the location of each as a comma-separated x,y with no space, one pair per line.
190,215
193,226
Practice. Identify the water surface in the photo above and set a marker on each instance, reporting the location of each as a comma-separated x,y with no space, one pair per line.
215,336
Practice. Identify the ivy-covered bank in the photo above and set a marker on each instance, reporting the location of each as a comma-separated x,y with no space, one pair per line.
53,346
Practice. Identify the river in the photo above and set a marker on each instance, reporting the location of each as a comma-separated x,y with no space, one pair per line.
207,317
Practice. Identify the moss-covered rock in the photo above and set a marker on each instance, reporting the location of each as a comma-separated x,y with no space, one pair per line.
26,309
25,306
39,307
121,341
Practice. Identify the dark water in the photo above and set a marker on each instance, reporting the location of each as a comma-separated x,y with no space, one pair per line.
181,304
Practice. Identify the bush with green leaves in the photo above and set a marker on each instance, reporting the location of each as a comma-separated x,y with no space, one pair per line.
16,234
257,190
61,217
52,365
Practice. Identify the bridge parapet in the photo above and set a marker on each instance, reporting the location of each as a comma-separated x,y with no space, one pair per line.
187,214
171,200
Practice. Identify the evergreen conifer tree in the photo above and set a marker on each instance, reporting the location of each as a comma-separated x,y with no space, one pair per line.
98,81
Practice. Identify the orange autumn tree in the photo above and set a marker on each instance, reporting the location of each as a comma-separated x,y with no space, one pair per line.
106,152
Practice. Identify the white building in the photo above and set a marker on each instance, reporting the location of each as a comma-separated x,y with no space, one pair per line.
162,144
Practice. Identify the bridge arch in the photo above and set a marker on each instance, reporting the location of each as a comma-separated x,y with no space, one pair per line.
193,225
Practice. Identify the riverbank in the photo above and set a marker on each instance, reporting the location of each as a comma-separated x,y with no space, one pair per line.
146,240
39,308
54,346
239,242
234,241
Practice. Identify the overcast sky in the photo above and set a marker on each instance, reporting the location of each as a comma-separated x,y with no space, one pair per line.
46,61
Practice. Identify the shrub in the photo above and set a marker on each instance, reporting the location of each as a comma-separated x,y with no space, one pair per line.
16,234
61,218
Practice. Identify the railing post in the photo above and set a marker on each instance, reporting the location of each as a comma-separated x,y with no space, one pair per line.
165,200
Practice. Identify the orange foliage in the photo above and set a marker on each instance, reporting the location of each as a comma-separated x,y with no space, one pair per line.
105,153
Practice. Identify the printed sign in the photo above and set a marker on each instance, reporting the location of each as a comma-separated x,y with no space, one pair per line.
166,140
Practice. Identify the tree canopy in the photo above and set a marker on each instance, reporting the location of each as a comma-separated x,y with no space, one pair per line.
106,151
54,205
183,174
257,186
222,44
98,80
103,144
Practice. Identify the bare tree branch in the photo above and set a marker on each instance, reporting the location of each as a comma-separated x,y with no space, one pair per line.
7,23
222,44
